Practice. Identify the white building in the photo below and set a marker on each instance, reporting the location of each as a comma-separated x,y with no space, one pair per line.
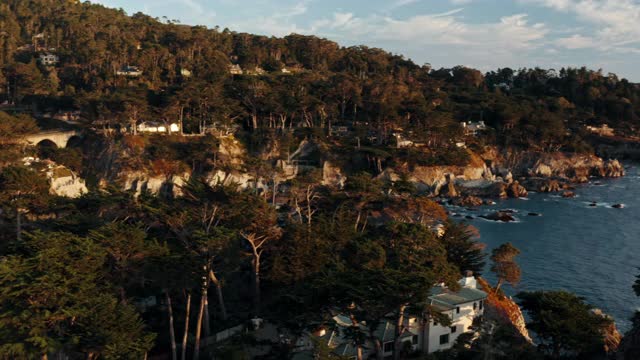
154,127
421,334
235,69
132,71
462,306
603,130
474,127
48,59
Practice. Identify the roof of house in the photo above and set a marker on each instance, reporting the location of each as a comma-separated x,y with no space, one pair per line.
386,331
447,298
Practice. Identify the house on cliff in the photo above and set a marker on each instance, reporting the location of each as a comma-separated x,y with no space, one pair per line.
420,333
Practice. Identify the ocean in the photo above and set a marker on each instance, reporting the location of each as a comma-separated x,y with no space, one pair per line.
593,251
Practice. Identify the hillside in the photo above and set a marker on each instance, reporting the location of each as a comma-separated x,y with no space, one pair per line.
221,194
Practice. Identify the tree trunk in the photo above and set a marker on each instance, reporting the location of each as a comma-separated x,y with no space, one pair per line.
172,333
256,286
354,323
498,285
186,328
18,224
379,350
399,331
196,346
216,282
207,317
181,120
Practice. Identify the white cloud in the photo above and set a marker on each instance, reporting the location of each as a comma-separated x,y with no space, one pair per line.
576,41
616,22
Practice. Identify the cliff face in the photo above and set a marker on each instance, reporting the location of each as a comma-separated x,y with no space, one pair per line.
504,311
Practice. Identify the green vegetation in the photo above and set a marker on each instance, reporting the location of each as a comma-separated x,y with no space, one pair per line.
565,324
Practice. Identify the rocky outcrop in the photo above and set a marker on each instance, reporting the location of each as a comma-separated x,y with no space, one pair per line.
62,181
504,310
139,182
468,201
610,334
613,169
503,216
65,182
544,185
332,176
515,190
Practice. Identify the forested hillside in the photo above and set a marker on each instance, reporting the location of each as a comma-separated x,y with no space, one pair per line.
303,180
185,74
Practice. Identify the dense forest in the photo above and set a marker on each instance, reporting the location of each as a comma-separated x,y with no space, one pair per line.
120,274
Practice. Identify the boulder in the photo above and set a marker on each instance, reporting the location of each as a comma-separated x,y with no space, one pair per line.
516,190
503,216
568,194
468,201
542,184
332,176
543,170
613,168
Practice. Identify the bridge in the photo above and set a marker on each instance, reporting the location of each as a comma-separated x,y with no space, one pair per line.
59,137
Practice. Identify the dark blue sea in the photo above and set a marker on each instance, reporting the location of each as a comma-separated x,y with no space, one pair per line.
591,251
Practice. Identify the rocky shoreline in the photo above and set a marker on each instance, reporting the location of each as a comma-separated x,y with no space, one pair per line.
549,173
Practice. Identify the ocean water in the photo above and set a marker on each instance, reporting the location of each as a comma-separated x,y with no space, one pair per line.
591,251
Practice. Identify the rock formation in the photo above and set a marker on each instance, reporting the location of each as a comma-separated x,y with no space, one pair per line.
504,310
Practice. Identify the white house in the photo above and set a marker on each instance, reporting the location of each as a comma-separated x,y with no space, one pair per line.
420,333
603,130
473,127
48,59
132,71
401,142
462,306
235,69
155,127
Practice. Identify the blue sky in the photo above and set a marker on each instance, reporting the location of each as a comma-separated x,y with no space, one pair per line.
485,34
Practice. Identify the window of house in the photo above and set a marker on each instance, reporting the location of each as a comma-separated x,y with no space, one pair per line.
458,310
388,347
414,339
481,304
444,339
453,329
475,305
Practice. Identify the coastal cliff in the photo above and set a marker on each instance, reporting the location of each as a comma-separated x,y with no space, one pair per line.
504,311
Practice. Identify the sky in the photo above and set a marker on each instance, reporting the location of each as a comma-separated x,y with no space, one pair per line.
483,34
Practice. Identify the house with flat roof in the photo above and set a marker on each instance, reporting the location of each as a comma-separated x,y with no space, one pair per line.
462,306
